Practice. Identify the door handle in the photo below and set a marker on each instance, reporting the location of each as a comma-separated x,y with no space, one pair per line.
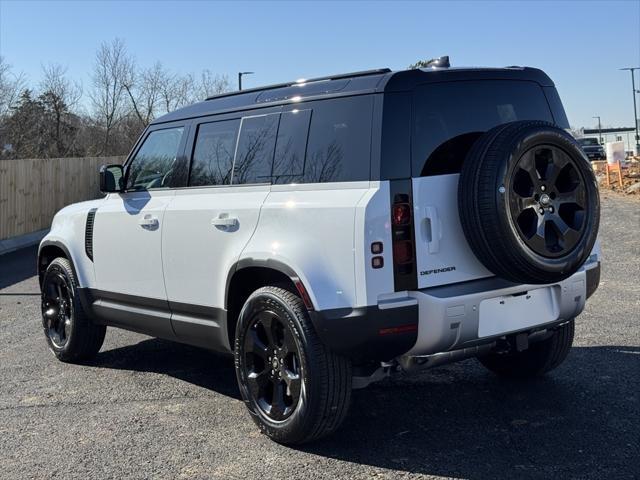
433,229
149,221
225,220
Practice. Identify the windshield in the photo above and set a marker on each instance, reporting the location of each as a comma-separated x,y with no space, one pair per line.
588,142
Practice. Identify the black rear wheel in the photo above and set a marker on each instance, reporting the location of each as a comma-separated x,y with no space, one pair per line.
295,389
541,357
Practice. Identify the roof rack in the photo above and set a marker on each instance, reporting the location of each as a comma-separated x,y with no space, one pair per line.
362,73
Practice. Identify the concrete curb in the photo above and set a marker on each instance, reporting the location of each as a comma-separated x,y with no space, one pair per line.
21,241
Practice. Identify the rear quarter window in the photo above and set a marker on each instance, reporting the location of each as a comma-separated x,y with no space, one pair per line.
339,144
449,117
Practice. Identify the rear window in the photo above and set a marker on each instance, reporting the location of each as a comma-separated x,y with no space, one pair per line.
449,117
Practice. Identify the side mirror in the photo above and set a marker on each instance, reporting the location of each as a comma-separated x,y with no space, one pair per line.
111,178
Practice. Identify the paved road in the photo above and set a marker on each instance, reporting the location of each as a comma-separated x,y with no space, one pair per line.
147,408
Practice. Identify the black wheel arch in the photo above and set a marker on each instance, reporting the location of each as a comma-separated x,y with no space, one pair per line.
249,274
48,251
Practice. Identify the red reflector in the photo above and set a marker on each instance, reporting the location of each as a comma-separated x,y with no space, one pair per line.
413,327
377,262
304,294
401,214
402,252
376,248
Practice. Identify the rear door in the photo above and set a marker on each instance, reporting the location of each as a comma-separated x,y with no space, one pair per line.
208,224
447,119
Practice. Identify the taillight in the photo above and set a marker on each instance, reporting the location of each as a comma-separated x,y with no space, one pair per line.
403,252
402,235
401,214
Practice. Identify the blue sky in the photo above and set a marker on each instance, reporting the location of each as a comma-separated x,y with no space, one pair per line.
581,45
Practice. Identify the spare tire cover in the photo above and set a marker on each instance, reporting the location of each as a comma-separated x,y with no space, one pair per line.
528,202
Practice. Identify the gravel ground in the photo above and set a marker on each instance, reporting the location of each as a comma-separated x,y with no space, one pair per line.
147,408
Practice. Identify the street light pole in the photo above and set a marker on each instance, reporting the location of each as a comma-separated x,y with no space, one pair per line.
240,74
599,129
635,111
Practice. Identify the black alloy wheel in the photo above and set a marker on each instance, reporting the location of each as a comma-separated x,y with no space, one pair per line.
548,201
274,371
71,334
295,388
57,308
528,202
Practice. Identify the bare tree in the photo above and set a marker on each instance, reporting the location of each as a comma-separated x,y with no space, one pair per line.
60,96
112,71
145,91
11,85
210,84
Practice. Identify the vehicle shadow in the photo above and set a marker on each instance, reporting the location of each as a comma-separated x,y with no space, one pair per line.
18,266
581,421
197,366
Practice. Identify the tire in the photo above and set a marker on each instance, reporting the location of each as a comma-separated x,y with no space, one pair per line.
528,202
70,334
317,404
541,357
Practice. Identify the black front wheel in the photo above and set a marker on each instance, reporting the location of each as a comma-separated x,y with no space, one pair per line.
295,388
70,334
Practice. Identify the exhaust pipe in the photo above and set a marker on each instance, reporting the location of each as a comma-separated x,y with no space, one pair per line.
429,361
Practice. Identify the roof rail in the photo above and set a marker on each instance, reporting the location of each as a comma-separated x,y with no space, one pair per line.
362,73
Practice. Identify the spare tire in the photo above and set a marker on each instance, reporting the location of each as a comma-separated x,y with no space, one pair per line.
528,202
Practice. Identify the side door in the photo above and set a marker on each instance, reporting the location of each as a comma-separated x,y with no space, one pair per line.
127,237
208,224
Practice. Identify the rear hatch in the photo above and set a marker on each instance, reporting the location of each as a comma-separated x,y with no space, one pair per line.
448,118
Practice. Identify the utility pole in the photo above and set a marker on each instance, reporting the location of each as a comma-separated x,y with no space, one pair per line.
240,74
635,111
599,129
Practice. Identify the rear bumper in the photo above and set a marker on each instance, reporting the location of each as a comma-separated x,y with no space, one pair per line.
465,315
453,317
368,333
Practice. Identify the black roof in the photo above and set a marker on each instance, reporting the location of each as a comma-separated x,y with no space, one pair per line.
357,83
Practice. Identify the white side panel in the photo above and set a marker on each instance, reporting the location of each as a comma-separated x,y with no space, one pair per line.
442,252
198,249
310,228
373,224
127,243
67,228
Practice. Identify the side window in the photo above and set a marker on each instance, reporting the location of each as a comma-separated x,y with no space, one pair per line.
339,143
291,146
155,160
213,153
254,156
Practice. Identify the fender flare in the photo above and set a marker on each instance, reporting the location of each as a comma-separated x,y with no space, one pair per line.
61,246
272,265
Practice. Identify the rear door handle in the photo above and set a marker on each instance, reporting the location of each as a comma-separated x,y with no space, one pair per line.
433,230
149,221
225,220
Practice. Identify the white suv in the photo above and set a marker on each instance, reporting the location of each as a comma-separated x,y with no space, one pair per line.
329,232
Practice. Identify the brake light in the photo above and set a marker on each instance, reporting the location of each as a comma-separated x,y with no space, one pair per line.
402,235
401,214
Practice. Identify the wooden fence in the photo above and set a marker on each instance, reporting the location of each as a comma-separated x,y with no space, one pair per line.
33,190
